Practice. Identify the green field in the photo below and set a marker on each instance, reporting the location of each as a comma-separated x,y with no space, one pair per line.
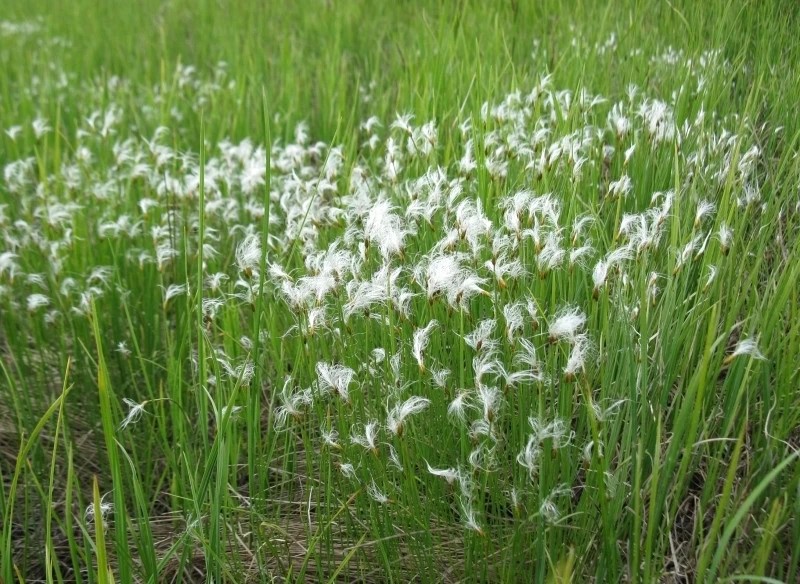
399,291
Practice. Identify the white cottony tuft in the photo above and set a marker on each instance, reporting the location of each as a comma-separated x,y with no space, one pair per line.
248,254
568,324
292,403
746,347
368,439
173,291
458,407
581,348
448,474
397,415
36,301
105,508
421,339
529,456
480,339
334,378
135,412
376,494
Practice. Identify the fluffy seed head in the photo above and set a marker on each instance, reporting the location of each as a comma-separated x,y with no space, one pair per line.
567,324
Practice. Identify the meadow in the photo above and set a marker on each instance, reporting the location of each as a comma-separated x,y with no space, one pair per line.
399,292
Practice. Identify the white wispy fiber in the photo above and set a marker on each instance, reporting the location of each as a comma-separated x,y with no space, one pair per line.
293,403
398,414
334,378
135,411
480,339
746,347
420,342
568,323
369,439
248,254
448,474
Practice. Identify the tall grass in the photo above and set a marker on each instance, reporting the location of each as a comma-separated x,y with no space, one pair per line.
388,292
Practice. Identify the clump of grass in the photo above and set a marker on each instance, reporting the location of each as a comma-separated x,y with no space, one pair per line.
532,323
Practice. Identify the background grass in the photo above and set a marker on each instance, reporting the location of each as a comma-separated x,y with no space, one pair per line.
698,479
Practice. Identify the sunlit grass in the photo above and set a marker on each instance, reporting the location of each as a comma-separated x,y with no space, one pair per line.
366,292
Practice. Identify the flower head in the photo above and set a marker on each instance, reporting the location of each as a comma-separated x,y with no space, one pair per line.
448,474
398,414
135,412
334,378
421,338
567,325
248,254
745,347
369,439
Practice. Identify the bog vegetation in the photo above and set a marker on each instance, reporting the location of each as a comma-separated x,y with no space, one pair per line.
437,292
